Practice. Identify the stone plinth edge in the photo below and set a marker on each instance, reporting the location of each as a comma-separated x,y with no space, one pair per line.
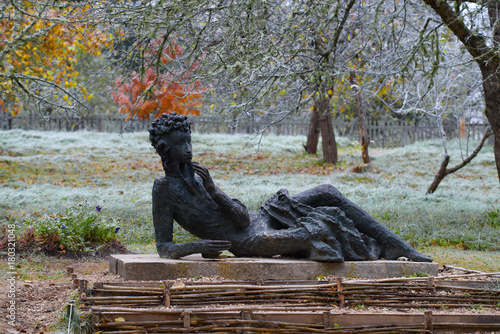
150,267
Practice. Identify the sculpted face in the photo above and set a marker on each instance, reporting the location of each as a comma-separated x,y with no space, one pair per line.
176,145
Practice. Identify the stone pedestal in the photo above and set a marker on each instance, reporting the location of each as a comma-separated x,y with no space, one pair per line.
151,267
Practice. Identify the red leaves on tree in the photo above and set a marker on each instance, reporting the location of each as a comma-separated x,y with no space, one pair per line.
156,93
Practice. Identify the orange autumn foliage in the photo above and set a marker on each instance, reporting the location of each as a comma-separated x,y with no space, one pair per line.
155,93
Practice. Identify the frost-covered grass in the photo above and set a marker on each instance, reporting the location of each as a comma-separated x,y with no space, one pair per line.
45,172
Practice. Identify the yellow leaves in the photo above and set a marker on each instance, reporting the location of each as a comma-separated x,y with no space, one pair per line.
234,95
312,107
66,99
211,106
52,55
330,92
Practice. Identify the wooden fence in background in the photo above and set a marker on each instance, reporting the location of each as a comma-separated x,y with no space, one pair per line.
386,133
61,122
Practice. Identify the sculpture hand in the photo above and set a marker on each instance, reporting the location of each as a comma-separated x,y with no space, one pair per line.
213,248
205,176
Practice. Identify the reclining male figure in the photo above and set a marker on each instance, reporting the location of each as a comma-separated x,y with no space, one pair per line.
318,224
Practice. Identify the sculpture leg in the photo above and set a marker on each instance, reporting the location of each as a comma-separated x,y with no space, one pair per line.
393,246
270,242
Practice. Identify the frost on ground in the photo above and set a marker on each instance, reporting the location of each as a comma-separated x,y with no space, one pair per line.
45,172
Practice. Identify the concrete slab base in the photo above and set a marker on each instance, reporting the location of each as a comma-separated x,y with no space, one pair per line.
150,267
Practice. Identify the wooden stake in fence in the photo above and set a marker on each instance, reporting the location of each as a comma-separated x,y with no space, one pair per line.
340,289
83,285
431,283
166,293
428,321
327,320
74,278
186,317
461,127
246,315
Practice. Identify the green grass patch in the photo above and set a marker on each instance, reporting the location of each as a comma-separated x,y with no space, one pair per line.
487,261
32,266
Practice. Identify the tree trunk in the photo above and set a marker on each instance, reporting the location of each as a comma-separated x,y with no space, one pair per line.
364,138
491,87
440,175
313,133
328,138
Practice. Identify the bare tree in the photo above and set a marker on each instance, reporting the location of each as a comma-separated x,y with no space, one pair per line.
463,19
444,171
430,73
275,58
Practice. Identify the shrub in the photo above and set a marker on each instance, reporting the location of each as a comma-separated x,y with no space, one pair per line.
84,228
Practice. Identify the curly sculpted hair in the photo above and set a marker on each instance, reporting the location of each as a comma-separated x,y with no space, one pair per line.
167,123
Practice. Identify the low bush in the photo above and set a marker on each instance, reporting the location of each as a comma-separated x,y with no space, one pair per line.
83,229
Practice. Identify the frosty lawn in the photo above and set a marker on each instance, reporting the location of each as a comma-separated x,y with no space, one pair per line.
45,172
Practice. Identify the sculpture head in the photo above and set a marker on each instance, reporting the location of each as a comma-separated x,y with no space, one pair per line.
170,135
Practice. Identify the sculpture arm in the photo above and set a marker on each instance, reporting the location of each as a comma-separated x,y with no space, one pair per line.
209,248
163,223
232,209
235,211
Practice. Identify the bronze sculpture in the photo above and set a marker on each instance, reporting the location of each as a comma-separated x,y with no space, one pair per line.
318,224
